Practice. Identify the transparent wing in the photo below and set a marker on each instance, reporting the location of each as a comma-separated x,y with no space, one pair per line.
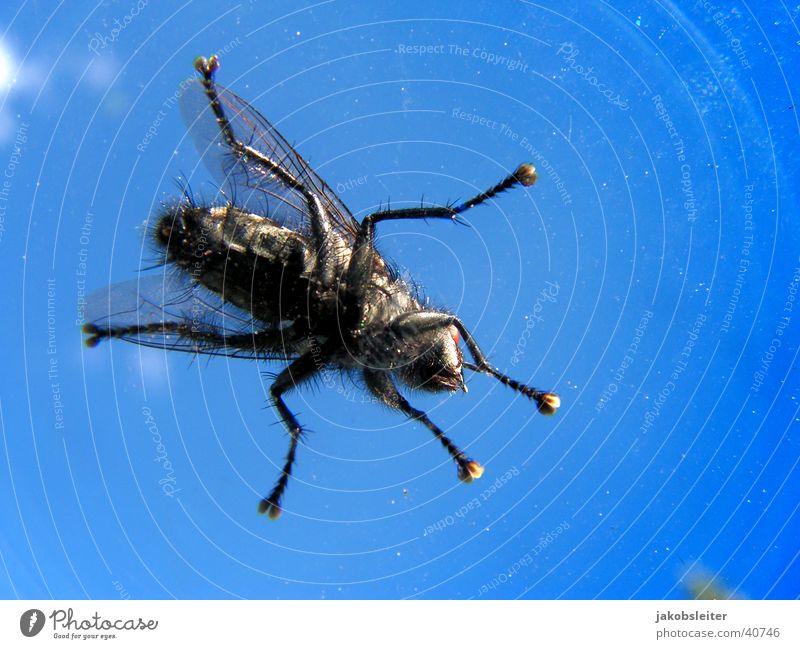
168,312
255,187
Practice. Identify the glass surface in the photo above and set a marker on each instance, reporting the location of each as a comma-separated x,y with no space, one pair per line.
650,277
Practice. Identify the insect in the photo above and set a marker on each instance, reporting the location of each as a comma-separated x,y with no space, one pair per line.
282,271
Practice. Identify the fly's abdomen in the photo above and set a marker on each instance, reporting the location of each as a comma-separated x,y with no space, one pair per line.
247,259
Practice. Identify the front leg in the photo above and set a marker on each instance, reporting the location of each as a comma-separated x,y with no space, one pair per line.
382,386
318,216
412,324
362,260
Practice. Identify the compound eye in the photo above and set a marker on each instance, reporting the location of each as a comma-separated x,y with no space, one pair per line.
455,335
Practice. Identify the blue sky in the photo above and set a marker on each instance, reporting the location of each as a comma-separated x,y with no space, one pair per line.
649,277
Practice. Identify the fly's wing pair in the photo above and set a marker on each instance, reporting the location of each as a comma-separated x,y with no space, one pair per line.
253,186
141,305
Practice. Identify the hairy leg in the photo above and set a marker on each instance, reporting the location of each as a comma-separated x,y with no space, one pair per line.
382,386
412,324
363,258
300,370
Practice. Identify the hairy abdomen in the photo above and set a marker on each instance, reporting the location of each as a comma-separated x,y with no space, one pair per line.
249,260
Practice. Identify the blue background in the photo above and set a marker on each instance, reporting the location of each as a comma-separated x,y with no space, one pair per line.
674,459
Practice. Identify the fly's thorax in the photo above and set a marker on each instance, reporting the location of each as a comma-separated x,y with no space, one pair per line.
387,297
331,260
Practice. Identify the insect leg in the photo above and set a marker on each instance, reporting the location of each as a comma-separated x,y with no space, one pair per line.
382,386
361,261
524,175
207,67
319,218
204,340
297,372
412,324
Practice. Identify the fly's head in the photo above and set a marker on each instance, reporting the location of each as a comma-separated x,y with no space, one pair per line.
438,365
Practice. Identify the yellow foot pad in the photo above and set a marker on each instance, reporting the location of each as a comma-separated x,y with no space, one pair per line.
469,472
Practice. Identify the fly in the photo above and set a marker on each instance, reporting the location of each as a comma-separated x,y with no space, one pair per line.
283,271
